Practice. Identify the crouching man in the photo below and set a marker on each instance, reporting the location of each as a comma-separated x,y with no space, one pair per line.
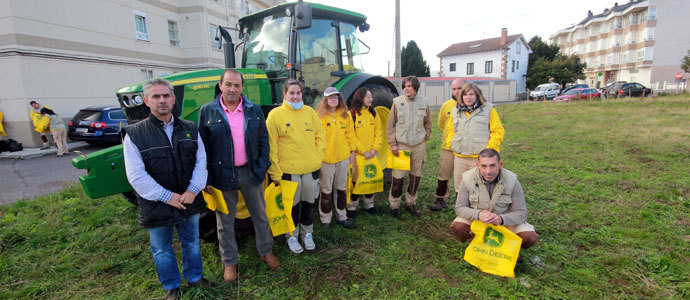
492,194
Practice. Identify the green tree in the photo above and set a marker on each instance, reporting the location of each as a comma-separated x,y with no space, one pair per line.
413,62
540,50
685,63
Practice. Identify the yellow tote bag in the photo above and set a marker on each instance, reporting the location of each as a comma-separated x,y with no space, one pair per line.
279,206
369,176
400,162
494,249
215,201
349,188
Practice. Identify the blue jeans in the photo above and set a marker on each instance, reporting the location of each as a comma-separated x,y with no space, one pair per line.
164,257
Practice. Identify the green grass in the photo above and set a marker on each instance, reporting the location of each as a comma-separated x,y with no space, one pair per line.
607,189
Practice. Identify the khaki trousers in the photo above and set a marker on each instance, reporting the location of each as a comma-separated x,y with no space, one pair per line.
461,165
60,138
417,155
446,161
333,177
302,215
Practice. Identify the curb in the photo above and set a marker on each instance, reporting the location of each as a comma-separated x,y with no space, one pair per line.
29,153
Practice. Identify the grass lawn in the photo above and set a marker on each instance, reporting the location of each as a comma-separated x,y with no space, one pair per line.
607,188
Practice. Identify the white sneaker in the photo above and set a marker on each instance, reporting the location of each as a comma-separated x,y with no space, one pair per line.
294,245
309,242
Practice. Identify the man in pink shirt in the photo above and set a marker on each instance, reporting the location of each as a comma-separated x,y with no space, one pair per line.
234,133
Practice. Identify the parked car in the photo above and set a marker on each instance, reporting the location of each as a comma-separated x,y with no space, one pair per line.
545,91
574,86
578,94
628,89
97,125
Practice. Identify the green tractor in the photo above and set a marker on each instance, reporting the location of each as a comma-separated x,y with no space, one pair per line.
314,43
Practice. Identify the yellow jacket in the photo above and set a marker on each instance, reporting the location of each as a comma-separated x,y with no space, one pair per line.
2,130
368,131
443,117
340,136
296,139
496,135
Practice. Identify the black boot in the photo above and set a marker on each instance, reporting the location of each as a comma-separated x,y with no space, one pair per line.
412,209
351,214
439,205
396,213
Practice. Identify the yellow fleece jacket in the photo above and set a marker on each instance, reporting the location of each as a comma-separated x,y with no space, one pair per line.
496,133
368,131
296,139
443,117
340,136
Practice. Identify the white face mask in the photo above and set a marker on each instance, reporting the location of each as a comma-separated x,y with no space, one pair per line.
297,105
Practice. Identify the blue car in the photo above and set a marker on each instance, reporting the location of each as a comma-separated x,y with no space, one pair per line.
97,125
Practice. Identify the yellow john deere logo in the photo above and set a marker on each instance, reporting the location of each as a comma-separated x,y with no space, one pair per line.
370,171
493,238
189,135
279,202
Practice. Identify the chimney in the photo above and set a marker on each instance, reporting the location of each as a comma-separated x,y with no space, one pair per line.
589,13
504,36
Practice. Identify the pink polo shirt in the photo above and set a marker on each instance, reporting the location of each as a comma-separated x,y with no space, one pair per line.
236,120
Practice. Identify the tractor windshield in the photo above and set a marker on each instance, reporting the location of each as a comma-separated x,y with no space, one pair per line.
267,45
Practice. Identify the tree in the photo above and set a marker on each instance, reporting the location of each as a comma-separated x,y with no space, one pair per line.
685,63
413,62
540,50
545,63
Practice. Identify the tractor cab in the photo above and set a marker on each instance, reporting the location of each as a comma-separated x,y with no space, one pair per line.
314,43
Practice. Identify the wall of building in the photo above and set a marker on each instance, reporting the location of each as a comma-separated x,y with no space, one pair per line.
672,39
521,61
71,54
478,59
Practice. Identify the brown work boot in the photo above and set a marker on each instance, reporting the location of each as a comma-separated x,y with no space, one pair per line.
396,213
413,210
271,260
203,282
230,273
173,294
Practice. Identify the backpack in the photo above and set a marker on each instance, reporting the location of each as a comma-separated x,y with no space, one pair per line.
4,146
14,146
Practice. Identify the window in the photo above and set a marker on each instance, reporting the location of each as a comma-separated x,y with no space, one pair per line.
172,33
517,65
239,6
212,29
518,47
640,55
141,25
652,14
650,34
452,67
512,69
489,67
470,68
146,73
116,115
625,58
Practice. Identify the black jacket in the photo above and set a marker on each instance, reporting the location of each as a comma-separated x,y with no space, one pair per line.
220,157
171,167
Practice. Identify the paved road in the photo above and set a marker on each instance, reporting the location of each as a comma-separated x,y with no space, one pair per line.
29,178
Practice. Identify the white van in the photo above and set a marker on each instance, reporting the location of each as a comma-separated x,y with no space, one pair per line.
545,91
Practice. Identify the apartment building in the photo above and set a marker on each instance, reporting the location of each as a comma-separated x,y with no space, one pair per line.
638,41
503,57
71,54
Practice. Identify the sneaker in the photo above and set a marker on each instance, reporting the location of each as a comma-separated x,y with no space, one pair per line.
348,224
309,242
48,147
294,245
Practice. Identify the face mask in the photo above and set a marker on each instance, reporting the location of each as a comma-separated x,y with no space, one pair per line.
297,105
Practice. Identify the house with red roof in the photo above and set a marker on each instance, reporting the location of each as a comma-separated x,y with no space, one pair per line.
503,57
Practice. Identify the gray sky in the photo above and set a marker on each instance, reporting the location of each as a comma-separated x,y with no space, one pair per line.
436,24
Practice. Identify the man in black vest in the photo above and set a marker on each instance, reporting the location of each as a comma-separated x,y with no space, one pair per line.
234,131
165,163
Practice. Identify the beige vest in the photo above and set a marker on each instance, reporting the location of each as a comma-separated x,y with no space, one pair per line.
501,198
409,129
471,133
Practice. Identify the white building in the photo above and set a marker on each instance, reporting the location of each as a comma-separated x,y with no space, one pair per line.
503,57
71,54
639,41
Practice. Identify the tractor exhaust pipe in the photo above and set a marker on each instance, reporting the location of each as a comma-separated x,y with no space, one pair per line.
229,48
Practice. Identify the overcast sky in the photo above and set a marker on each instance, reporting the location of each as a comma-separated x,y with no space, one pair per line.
436,24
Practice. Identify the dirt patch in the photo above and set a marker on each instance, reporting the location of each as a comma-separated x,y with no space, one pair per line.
433,272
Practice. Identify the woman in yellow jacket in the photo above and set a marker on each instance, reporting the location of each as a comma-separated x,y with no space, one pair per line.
367,126
297,145
475,126
340,150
